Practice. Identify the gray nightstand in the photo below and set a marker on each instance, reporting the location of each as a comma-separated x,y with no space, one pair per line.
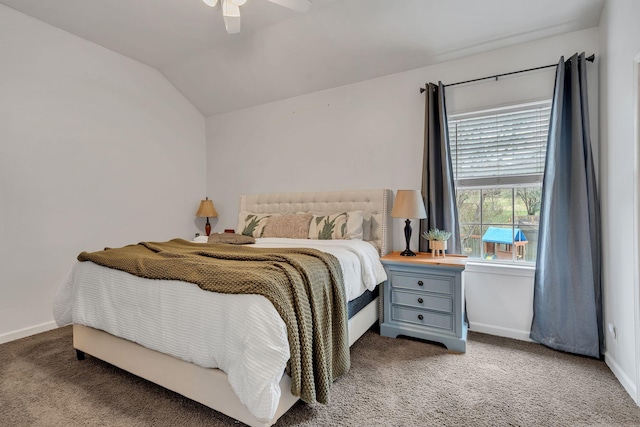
424,298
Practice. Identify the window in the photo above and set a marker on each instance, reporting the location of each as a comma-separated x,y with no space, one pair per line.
498,163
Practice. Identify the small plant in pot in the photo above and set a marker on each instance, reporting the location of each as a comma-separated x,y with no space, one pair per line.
437,240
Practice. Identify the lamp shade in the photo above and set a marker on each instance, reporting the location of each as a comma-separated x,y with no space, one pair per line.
207,209
408,204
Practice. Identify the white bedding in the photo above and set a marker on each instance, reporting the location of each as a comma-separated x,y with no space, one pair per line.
241,334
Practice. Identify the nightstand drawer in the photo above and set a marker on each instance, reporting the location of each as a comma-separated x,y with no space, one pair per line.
422,317
431,302
422,282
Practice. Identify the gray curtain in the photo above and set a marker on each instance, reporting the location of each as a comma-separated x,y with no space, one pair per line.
438,188
567,303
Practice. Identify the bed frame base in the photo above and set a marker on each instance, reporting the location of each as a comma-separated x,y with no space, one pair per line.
204,385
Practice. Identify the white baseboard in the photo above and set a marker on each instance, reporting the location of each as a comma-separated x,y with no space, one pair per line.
499,331
623,378
26,332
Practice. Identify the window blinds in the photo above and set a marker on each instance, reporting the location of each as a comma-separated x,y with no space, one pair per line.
500,147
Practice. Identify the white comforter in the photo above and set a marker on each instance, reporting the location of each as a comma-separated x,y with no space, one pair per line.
241,334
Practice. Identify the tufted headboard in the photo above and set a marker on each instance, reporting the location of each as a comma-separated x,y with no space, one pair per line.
374,204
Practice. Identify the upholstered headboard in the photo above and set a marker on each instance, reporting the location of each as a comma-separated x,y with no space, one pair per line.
374,204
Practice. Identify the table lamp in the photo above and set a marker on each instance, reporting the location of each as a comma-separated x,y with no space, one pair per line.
408,204
207,210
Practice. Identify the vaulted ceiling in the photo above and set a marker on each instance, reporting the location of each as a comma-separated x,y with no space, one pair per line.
280,53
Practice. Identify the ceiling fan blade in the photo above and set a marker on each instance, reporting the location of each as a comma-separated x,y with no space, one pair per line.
298,5
231,15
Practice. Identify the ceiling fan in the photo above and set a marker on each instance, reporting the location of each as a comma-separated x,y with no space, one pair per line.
231,10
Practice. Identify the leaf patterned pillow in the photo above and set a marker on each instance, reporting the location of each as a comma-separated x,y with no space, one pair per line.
252,224
329,227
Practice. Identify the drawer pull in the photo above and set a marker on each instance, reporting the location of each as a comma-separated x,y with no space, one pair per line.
420,283
420,316
420,300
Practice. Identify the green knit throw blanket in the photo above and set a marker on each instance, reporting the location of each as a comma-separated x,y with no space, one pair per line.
304,285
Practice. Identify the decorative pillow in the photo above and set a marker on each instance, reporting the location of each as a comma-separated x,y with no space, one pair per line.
329,227
291,226
355,225
231,238
252,224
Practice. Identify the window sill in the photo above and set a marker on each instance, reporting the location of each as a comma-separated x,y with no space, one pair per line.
480,267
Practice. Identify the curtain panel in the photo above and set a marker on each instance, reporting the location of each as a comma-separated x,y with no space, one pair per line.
438,189
567,312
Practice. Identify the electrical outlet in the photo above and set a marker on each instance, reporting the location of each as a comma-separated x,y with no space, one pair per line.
613,331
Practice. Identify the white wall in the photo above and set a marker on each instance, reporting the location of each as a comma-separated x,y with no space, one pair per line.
95,150
620,44
500,299
370,135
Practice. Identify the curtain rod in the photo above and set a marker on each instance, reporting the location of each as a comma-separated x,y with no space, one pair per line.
590,59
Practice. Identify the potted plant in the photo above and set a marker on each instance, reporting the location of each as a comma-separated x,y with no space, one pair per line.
437,240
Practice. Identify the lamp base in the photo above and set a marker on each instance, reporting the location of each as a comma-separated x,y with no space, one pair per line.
207,228
407,236
407,252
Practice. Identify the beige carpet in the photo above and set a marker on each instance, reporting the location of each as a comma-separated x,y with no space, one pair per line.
395,382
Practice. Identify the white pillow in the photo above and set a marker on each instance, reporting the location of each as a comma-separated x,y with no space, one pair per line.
354,225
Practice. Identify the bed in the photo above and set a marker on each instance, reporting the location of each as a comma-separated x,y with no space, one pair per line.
183,373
